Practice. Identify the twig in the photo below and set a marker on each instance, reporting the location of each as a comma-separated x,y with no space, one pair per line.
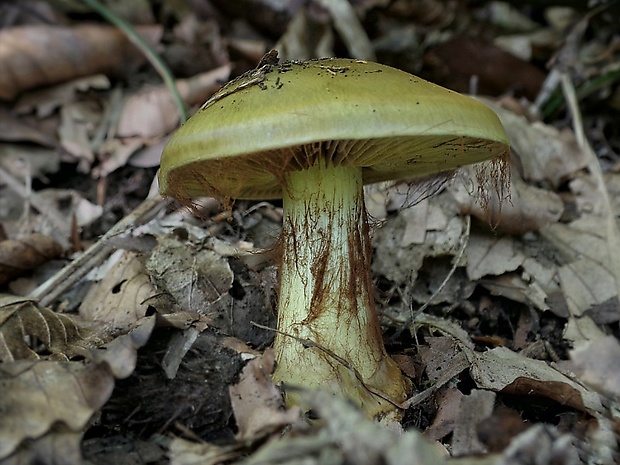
457,260
51,289
594,167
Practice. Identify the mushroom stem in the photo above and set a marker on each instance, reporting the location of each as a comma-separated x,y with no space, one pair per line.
326,293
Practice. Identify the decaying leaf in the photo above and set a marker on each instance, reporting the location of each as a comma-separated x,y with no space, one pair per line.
152,113
488,255
586,279
597,364
18,256
194,277
24,54
46,402
524,208
122,297
57,336
501,369
36,395
473,409
546,154
257,403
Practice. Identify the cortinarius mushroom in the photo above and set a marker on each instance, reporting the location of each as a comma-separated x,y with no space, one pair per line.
312,133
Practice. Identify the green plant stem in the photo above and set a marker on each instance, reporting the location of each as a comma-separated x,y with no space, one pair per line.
152,56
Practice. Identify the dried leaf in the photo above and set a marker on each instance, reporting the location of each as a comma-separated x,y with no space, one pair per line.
525,207
78,51
546,154
597,364
501,369
43,402
122,297
488,255
193,277
257,403
448,401
586,279
473,409
37,395
19,256
61,336
151,112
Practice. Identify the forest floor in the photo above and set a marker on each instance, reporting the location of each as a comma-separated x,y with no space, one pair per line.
135,330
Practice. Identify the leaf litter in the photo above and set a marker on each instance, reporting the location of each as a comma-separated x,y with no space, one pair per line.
143,341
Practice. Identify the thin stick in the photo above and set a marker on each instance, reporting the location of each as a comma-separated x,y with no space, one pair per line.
613,235
457,259
96,254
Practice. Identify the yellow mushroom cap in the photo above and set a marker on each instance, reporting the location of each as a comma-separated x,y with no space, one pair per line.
282,117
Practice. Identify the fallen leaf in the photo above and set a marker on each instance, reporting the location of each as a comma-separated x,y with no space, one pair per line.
194,277
257,402
77,51
523,208
121,298
57,336
152,113
37,395
489,255
448,401
501,369
46,403
547,155
19,256
597,364
473,409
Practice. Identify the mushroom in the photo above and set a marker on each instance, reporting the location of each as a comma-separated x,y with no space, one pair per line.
313,133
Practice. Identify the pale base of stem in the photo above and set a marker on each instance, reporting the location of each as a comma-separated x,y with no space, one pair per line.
325,294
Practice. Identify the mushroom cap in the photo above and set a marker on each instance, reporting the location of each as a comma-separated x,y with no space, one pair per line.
282,117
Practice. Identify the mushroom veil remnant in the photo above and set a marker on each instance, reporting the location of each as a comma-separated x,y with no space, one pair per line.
313,133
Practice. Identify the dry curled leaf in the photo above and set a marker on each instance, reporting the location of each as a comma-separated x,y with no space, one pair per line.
47,403
18,256
257,403
28,60
57,336
501,369
37,395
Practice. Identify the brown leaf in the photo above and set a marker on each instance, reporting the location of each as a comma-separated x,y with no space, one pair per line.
19,256
151,112
473,409
44,402
257,403
525,208
193,277
500,369
454,62
121,298
37,395
29,60
61,336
